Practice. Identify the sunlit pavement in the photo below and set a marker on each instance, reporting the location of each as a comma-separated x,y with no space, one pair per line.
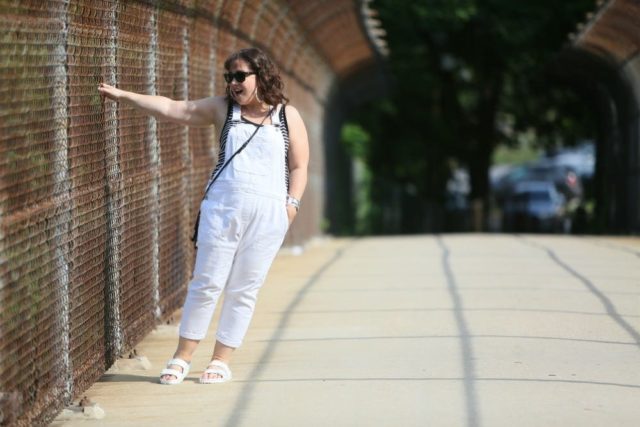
449,330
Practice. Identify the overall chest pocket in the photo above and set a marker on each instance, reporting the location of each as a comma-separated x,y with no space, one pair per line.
255,159
260,156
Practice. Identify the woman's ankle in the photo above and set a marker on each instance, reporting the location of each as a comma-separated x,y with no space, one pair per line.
183,356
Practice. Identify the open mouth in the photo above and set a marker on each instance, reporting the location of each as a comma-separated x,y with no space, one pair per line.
236,92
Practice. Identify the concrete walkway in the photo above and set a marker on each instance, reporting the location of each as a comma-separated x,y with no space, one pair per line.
451,330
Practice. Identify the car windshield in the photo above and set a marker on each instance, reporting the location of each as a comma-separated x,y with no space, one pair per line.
544,172
533,196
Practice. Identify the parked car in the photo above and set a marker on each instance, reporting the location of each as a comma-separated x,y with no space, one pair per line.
535,206
565,179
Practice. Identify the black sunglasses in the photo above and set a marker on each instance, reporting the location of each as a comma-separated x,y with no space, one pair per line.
239,76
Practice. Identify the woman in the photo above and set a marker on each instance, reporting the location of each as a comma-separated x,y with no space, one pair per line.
246,211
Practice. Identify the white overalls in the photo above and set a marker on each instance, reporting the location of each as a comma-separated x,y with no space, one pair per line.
243,222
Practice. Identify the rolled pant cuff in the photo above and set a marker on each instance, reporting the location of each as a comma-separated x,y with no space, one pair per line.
232,344
192,336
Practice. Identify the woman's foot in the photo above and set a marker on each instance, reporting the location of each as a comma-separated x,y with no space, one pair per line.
217,372
220,357
183,353
172,377
177,368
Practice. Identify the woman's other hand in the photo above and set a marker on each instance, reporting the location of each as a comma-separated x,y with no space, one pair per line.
291,213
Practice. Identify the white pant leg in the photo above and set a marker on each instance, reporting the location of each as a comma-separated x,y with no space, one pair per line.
256,252
218,239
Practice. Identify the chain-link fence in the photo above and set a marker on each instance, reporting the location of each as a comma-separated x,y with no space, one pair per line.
97,201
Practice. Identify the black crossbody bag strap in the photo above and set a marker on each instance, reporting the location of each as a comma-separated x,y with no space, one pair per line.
194,238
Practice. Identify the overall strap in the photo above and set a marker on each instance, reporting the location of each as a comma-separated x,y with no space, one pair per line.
282,121
284,131
236,112
275,115
222,146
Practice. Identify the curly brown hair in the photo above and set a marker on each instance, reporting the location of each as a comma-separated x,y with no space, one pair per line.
268,79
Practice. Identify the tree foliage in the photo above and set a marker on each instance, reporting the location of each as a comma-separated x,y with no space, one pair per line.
468,75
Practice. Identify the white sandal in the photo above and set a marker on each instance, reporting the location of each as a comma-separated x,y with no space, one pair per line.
216,367
179,375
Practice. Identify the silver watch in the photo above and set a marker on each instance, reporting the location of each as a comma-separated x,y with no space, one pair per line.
293,201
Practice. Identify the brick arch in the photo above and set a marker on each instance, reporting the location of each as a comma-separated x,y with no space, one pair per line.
604,63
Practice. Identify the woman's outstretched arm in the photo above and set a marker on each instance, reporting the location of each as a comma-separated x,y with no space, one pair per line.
201,112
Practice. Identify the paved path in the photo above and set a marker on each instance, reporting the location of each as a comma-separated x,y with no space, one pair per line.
451,330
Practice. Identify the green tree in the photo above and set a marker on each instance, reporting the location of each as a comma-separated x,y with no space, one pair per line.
467,75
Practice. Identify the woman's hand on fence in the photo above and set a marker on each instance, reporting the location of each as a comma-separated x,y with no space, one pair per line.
110,92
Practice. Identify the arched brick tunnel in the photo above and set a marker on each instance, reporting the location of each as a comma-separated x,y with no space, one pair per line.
97,202
602,65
